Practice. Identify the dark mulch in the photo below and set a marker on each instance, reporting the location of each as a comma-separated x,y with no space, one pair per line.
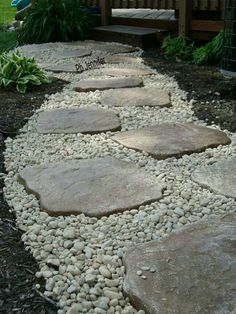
215,95
17,266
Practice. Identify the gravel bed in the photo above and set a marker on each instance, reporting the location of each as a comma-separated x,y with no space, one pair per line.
81,257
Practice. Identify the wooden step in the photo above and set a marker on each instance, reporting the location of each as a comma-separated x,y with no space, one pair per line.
131,35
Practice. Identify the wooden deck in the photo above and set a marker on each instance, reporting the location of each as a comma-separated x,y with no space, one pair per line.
200,29
148,14
198,19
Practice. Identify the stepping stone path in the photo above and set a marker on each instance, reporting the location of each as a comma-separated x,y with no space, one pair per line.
79,53
94,187
219,177
192,271
136,97
103,84
121,59
126,72
172,140
77,120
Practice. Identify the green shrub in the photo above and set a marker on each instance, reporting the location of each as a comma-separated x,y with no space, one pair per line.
55,20
178,47
211,52
20,71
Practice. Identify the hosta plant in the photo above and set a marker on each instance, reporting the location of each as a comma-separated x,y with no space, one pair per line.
19,71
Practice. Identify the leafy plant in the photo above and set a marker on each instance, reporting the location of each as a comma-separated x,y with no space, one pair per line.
55,20
211,52
20,71
179,47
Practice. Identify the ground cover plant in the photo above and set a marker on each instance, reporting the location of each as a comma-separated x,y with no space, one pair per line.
20,71
52,20
184,49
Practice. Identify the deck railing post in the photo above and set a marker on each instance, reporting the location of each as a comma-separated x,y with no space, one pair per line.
185,16
105,11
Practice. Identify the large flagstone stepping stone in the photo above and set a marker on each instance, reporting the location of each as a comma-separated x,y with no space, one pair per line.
77,120
121,59
104,47
151,96
103,84
95,187
126,72
219,177
192,271
172,140
57,68
113,49
38,47
79,53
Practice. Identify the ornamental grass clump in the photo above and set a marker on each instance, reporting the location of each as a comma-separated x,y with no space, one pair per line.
179,47
19,71
55,20
211,52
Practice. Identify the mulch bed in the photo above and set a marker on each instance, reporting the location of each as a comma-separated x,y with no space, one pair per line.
17,266
215,102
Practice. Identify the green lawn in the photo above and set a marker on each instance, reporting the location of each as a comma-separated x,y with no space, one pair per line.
7,12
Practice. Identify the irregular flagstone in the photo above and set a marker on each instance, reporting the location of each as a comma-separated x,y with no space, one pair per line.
38,47
113,49
95,187
104,47
77,120
63,67
103,84
172,140
136,97
192,271
79,53
126,72
121,59
219,177
117,49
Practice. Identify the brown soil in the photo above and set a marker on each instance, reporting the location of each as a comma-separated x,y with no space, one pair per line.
17,267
